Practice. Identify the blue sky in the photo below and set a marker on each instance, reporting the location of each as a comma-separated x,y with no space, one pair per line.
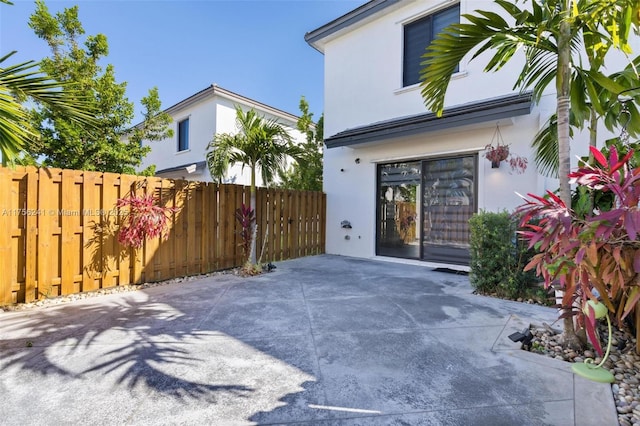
254,48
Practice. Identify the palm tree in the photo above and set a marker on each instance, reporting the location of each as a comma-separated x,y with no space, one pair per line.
259,143
550,32
23,81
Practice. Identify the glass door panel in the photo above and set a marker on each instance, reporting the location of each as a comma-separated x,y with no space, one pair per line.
398,213
448,201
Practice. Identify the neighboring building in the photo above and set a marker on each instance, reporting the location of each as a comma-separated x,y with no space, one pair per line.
406,181
195,121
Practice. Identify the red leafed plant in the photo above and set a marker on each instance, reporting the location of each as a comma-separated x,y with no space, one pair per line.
246,216
144,220
594,255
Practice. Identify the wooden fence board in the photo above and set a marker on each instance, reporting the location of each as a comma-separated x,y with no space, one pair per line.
6,278
69,243
210,224
90,222
45,221
31,237
152,244
280,219
124,258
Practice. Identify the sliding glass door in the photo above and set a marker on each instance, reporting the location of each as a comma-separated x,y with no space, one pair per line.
424,208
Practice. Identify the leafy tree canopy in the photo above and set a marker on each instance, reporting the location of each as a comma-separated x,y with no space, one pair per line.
19,82
306,173
109,145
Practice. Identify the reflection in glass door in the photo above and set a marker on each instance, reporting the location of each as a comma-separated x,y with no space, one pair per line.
448,201
398,213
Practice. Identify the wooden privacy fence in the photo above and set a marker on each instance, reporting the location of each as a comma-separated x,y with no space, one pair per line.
59,230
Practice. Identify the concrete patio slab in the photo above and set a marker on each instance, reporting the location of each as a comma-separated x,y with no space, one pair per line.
323,340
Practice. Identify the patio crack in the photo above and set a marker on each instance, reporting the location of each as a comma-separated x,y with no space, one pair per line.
315,346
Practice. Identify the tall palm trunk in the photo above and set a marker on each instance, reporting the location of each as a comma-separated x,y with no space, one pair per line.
254,233
563,78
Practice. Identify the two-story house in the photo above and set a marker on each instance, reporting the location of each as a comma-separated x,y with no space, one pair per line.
196,120
405,180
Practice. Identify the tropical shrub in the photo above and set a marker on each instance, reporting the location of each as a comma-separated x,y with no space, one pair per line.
498,256
144,220
246,216
593,254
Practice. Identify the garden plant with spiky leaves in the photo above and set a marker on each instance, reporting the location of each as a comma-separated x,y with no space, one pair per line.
596,251
550,34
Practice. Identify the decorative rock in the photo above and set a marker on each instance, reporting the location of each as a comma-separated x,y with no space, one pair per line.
624,363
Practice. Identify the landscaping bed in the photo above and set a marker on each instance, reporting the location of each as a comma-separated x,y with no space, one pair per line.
623,362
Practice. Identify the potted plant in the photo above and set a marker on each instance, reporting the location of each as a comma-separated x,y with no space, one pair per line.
593,253
496,154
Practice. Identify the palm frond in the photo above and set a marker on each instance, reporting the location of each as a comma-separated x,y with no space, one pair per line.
22,81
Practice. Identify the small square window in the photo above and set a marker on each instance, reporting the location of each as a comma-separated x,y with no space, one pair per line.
183,135
418,35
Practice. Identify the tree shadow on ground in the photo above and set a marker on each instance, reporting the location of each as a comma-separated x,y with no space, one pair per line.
139,338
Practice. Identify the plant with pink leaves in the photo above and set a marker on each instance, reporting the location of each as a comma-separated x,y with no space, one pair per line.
146,219
594,255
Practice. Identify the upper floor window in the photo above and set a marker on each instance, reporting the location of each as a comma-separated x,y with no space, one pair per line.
418,35
183,135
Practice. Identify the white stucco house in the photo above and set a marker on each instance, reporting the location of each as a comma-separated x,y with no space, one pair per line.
195,120
406,181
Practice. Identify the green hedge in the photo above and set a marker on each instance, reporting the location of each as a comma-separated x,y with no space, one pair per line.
498,256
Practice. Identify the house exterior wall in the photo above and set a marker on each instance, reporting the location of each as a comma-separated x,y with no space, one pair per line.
207,116
363,72
363,85
202,125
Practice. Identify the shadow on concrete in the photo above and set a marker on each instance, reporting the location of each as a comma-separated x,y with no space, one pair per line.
323,339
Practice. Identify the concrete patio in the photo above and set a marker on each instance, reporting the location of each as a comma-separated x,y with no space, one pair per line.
323,340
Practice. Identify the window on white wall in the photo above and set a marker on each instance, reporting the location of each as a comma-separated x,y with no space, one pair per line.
183,135
418,35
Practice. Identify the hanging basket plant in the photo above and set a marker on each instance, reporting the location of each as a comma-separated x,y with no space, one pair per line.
496,154
500,152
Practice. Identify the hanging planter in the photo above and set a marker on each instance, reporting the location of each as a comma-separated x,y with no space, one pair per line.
496,154
500,152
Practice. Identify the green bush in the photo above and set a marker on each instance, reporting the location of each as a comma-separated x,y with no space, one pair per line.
498,257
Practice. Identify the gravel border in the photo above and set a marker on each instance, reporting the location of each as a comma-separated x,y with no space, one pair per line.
623,363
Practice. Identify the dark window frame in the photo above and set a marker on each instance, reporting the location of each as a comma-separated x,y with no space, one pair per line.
183,135
447,253
424,30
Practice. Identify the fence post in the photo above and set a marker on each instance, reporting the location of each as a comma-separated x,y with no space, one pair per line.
6,277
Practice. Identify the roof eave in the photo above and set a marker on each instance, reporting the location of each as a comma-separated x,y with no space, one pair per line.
457,116
317,37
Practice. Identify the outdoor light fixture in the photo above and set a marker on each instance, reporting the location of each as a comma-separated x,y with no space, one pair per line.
587,369
345,224
357,160
525,336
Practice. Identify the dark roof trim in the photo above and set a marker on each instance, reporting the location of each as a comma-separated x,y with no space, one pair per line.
370,8
462,115
200,165
214,90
